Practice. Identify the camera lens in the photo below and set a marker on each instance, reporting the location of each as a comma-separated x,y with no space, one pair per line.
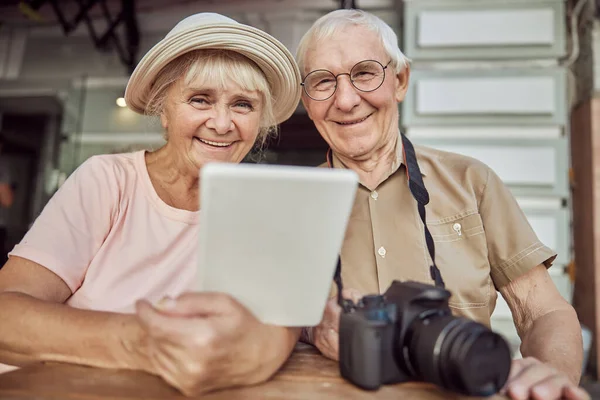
456,353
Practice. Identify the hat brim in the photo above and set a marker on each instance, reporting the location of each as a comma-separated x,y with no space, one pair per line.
269,54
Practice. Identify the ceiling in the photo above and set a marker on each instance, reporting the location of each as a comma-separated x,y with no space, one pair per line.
14,14
136,20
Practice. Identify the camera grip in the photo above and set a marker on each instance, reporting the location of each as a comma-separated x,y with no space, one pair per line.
361,350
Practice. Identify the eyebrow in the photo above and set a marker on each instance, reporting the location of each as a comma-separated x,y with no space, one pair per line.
244,94
351,66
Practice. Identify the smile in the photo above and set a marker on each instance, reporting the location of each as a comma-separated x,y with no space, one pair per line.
357,121
215,144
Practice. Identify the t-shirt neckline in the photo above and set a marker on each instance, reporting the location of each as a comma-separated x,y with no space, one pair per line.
190,217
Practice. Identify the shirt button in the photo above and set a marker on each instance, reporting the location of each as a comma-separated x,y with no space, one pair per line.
382,251
374,195
457,228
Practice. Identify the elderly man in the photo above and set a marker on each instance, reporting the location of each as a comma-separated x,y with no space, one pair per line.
354,78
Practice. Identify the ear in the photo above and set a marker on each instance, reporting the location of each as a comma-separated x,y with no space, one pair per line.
401,83
164,121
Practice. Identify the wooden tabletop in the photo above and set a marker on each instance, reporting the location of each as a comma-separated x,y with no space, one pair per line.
306,375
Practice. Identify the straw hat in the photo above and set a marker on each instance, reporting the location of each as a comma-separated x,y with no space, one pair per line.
215,31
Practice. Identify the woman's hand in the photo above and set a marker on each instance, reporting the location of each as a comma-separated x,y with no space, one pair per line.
325,336
205,341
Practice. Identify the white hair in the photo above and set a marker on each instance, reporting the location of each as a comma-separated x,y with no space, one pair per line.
326,26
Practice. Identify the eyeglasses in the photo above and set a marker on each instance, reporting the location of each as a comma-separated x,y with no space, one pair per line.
366,76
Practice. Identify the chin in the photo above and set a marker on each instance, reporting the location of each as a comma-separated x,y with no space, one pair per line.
357,147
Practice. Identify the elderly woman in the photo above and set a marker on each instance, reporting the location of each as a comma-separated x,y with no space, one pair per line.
103,276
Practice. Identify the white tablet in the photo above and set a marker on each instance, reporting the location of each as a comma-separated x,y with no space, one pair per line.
270,236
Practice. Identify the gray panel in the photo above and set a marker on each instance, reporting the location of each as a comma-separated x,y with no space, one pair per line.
411,116
560,187
563,242
414,8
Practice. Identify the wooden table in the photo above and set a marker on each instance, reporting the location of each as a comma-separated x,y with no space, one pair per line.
307,375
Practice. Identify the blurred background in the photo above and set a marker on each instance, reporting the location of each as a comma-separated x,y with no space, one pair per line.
512,83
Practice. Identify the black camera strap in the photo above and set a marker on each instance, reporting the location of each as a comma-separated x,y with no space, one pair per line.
421,195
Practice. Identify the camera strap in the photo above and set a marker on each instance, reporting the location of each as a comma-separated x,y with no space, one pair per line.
421,195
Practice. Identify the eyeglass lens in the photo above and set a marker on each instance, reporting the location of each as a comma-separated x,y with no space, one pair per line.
366,76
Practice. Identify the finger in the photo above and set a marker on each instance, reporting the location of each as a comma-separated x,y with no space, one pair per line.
167,327
332,306
352,294
550,388
576,393
327,343
520,386
202,304
519,365
331,316
333,338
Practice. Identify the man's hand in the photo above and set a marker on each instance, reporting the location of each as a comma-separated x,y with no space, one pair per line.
325,336
205,341
531,379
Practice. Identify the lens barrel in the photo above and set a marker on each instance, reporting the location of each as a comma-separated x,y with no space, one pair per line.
456,353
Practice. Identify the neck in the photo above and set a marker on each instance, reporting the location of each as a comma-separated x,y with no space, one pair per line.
374,168
174,179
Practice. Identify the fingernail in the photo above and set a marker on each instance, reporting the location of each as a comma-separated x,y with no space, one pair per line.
541,393
166,303
518,392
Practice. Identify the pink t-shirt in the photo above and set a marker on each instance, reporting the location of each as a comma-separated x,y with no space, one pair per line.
109,236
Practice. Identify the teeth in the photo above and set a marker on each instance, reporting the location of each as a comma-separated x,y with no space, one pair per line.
353,122
217,144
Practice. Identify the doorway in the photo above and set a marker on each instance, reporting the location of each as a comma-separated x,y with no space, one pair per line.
30,132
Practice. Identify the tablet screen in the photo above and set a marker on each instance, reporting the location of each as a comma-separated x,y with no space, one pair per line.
270,236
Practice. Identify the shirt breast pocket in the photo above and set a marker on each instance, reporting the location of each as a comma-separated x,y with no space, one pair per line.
462,256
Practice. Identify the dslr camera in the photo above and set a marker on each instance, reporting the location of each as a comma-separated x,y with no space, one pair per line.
409,334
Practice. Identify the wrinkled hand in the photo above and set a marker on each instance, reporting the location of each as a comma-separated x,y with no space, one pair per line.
532,379
325,336
205,341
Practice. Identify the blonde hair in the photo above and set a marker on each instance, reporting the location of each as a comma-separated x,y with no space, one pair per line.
220,66
326,26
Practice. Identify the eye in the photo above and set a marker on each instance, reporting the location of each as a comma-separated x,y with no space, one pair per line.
363,75
325,81
244,105
199,100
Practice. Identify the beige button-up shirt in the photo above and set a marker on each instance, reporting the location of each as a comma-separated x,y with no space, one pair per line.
482,238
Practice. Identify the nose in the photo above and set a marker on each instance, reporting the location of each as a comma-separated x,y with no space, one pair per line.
220,121
346,95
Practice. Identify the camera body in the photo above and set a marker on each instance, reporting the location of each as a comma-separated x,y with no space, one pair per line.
409,334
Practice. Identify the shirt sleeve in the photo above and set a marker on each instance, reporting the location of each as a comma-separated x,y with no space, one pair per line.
513,246
73,225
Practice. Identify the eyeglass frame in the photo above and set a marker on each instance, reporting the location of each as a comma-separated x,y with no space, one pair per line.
349,76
